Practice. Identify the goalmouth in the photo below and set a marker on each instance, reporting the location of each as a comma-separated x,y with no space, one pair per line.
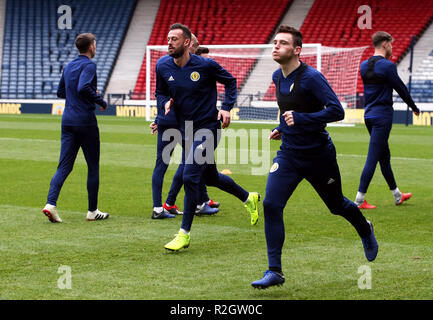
252,66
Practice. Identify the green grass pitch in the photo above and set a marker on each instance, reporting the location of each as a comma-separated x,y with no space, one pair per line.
124,257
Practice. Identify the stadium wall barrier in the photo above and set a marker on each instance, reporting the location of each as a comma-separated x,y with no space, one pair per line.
55,107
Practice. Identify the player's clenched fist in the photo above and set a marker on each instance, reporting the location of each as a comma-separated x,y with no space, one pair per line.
288,117
275,135
225,115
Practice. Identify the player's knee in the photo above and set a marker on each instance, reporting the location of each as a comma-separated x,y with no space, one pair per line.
271,206
211,180
65,170
160,164
160,168
336,210
211,177
189,178
342,206
93,173
178,177
335,206
93,166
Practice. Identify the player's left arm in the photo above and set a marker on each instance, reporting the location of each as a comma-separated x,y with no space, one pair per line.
85,86
398,85
61,89
230,91
318,86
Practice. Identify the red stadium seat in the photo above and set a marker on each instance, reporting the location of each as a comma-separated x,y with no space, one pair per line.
216,22
335,23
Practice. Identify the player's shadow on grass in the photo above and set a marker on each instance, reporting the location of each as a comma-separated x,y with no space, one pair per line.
272,293
406,204
207,216
172,252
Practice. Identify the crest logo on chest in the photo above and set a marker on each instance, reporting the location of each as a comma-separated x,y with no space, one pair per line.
274,167
195,76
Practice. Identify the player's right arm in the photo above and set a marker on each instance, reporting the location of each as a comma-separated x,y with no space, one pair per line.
163,100
276,132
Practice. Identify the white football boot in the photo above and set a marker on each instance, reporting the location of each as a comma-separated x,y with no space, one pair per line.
96,215
50,212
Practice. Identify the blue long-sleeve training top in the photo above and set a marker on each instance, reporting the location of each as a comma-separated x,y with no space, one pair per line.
78,86
162,97
378,97
308,131
193,89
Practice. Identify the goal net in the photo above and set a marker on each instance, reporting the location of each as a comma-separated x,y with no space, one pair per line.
252,65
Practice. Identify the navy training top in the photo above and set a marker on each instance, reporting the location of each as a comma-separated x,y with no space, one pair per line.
308,131
378,97
78,86
194,91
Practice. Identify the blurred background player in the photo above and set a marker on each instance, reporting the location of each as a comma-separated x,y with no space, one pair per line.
79,127
162,123
193,97
380,77
194,44
202,51
169,209
306,103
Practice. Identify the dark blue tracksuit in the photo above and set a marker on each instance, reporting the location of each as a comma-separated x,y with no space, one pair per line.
380,77
79,126
161,168
166,122
306,152
193,89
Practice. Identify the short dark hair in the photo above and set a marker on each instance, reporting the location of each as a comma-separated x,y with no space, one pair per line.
201,50
296,34
83,41
380,37
186,32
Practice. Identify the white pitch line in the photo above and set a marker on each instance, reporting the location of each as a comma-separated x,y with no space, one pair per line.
392,158
241,149
26,139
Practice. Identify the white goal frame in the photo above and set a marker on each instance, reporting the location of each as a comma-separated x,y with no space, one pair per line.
149,102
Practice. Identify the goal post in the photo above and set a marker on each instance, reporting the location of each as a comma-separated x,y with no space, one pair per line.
252,66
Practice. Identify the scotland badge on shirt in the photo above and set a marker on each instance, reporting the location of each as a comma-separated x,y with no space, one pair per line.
195,76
